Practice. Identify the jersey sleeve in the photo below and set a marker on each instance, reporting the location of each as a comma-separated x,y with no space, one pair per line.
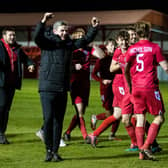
95,71
116,54
92,50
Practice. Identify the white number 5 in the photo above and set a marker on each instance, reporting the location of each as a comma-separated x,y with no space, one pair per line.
140,66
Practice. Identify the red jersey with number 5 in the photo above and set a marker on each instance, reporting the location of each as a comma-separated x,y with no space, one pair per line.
144,57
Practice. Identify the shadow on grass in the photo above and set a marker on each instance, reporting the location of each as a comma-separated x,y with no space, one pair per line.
30,137
118,156
163,136
163,152
103,157
22,138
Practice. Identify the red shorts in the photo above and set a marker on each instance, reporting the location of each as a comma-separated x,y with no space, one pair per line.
80,91
148,101
127,104
106,95
119,94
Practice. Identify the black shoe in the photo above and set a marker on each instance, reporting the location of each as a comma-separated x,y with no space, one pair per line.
155,149
57,158
67,137
3,139
6,141
49,156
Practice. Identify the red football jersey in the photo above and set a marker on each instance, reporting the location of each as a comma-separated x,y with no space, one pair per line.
81,56
122,62
118,79
144,57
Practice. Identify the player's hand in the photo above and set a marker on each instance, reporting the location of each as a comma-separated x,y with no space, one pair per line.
106,81
95,21
98,52
78,67
31,68
47,16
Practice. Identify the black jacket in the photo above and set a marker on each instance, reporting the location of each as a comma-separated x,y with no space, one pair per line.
56,57
5,66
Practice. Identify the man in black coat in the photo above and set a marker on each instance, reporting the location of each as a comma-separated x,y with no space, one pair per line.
54,78
11,59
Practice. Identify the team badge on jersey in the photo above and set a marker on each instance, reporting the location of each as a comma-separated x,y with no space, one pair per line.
157,95
121,90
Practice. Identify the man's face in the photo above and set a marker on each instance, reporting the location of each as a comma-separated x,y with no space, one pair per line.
133,36
61,31
122,43
10,37
78,35
110,47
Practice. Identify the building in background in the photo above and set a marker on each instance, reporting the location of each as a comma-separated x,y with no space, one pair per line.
111,22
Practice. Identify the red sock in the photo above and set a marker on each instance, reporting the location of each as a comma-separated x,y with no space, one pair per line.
82,127
115,126
72,124
104,125
152,133
140,132
131,133
101,116
133,121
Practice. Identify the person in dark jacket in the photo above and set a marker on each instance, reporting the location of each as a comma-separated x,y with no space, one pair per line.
54,77
11,59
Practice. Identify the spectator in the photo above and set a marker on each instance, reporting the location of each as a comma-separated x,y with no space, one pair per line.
11,59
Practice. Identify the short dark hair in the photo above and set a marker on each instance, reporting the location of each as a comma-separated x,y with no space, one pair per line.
123,34
5,29
131,27
110,40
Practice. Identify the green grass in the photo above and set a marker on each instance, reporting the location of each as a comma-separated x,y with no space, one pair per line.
27,151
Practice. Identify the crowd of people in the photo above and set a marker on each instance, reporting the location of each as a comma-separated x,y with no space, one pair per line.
126,68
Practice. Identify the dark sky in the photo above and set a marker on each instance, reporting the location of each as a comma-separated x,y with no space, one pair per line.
80,5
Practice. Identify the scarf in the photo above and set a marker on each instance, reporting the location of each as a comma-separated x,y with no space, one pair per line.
12,55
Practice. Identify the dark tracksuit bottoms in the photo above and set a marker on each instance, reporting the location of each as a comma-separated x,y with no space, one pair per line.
6,97
54,107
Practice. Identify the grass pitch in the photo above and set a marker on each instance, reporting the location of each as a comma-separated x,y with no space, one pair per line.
27,151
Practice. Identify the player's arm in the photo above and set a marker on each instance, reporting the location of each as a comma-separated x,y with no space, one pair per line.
164,65
128,76
97,52
114,66
161,59
95,71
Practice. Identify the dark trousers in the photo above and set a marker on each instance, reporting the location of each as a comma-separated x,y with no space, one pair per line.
53,106
6,97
